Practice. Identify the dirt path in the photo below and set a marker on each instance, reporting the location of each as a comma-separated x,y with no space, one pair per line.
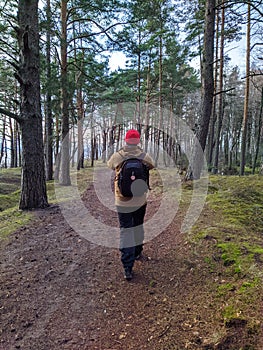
59,291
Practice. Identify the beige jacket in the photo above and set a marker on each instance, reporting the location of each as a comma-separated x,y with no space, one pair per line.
115,162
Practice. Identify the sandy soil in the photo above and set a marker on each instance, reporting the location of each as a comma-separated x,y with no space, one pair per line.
59,291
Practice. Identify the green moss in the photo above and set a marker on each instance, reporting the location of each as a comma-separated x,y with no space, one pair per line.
248,287
230,253
230,229
210,262
6,188
230,312
224,289
9,201
11,219
10,180
51,191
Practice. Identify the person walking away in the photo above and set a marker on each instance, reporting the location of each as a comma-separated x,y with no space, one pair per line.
130,189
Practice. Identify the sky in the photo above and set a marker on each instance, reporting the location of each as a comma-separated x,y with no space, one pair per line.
236,51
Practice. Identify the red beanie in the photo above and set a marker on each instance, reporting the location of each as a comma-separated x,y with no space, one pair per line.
132,137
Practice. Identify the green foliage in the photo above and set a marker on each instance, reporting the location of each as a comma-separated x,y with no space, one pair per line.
120,87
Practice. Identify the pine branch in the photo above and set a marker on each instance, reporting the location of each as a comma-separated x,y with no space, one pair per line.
10,114
223,91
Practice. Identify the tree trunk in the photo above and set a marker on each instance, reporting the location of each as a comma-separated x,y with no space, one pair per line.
104,145
138,97
80,111
211,133
207,88
160,124
221,84
12,152
48,120
33,193
246,100
3,141
16,143
147,107
64,177
258,134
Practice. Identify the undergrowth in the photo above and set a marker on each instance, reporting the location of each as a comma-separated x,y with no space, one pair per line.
230,234
11,218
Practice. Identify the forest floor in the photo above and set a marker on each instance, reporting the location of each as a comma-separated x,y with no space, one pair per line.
60,291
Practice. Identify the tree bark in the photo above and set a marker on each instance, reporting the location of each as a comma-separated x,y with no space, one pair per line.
48,121
246,100
160,124
221,84
207,88
211,133
258,134
147,107
33,193
80,112
12,152
3,140
64,177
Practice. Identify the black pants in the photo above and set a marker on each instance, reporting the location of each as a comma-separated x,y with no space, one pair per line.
131,233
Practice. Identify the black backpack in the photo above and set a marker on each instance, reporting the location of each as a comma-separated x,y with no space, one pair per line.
133,178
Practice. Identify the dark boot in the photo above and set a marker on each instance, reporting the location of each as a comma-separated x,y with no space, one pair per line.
128,273
138,251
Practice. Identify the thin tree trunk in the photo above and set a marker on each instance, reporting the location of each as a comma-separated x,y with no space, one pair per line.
57,153
211,135
3,140
48,120
259,134
104,145
138,98
160,124
16,133
220,104
246,100
147,108
64,177
11,142
80,110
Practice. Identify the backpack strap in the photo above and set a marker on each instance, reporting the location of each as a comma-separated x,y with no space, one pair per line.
141,156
